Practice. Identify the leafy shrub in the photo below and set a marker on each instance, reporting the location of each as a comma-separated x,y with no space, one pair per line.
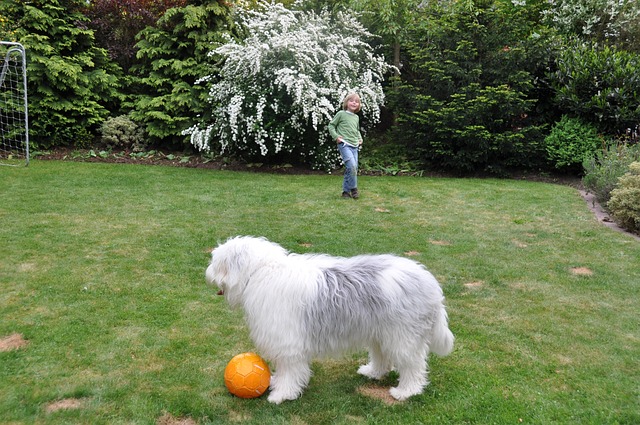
602,170
122,132
387,157
624,204
600,85
615,21
571,142
280,86
467,98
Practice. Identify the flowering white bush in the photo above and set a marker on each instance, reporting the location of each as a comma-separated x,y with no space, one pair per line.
593,18
280,86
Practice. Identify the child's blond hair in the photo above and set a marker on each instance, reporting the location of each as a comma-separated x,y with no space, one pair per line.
350,96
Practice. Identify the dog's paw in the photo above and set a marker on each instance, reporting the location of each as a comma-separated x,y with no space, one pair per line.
277,397
370,372
403,394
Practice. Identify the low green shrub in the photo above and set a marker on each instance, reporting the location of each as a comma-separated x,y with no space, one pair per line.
624,204
603,169
385,157
122,132
598,83
570,142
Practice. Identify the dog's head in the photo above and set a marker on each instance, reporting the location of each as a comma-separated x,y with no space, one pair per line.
235,261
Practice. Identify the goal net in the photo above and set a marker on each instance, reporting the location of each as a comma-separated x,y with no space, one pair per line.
14,115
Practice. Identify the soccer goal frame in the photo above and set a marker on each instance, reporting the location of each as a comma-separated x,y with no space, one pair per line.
14,109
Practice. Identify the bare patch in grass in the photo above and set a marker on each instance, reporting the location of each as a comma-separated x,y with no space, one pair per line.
519,244
297,420
440,243
474,285
306,244
411,253
27,267
564,360
12,342
238,416
65,404
169,419
519,286
582,271
379,393
381,210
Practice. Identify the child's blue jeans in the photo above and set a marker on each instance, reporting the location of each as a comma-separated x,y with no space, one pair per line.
350,158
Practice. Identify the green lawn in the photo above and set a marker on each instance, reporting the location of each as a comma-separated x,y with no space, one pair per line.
102,277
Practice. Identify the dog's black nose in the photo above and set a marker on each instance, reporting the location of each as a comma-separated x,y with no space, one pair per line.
221,292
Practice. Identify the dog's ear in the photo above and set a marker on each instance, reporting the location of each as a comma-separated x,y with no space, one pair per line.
216,276
218,268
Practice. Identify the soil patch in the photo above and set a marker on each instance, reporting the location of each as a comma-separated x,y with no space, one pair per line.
12,342
582,271
440,243
379,393
381,210
169,419
65,404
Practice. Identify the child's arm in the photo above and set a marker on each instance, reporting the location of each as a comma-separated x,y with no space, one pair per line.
333,128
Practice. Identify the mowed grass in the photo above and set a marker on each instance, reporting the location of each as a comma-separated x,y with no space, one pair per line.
102,283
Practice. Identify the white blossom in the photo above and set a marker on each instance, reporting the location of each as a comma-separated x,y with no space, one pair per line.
608,17
279,87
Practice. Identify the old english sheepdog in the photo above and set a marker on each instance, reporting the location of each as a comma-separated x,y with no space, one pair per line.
301,307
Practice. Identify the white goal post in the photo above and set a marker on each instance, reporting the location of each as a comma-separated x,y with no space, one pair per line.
14,112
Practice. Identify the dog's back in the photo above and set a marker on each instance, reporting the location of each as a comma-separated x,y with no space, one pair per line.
372,297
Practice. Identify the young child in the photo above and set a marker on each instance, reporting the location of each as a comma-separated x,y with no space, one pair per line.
345,130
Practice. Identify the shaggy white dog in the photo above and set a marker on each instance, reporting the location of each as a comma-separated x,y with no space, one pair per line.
300,307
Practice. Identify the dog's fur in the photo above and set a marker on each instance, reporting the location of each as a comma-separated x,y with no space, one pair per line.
300,307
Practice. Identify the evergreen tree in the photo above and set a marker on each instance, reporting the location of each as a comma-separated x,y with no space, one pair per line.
466,97
117,22
71,82
171,56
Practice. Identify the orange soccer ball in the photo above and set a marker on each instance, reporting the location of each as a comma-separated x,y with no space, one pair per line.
247,376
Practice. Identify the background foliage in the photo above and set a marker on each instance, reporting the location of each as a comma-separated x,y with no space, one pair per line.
282,83
604,21
172,55
625,199
600,84
606,166
117,22
466,101
482,82
571,142
71,81
121,131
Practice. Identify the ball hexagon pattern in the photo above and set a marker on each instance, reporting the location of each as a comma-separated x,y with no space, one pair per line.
247,375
